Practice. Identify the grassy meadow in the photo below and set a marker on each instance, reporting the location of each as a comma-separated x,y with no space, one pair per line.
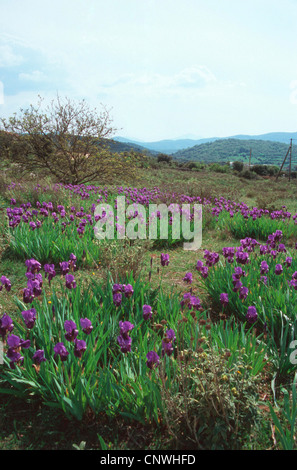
114,345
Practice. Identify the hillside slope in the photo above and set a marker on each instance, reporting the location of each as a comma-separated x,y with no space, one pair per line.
171,146
225,150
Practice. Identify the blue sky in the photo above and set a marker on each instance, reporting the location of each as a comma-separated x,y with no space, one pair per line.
164,68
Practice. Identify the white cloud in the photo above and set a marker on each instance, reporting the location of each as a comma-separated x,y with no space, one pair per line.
8,58
195,77
35,76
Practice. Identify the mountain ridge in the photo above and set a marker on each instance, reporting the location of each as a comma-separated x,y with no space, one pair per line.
171,146
265,152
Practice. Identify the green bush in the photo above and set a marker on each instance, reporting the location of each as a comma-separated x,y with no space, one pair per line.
218,168
247,174
162,157
238,166
272,170
216,406
261,170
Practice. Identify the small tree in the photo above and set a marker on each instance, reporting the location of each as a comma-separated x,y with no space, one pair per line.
163,157
237,166
261,170
67,140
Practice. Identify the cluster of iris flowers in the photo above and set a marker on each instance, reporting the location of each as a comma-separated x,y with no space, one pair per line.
34,289
241,255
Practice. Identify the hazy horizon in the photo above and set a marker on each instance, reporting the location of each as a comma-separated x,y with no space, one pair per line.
191,137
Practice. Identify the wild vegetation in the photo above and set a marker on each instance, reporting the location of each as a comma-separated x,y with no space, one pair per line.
140,344
264,152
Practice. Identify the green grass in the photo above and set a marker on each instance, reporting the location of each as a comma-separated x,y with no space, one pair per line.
28,424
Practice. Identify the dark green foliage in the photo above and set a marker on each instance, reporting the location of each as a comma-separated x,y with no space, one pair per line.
247,174
219,168
119,147
260,170
224,150
237,166
162,157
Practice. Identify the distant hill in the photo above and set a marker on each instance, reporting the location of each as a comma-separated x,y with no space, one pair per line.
272,136
224,150
118,147
168,146
171,146
113,145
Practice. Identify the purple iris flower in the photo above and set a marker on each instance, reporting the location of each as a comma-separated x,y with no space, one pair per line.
224,299
147,312
273,253
211,258
117,299
242,257
188,278
70,281
195,303
86,325
38,357
204,272
167,343
186,299
170,335
125,327
288,261
35,286
79,347
124,339
264,267
128,291
116,288
28,296
164,259
80,230
72,261
125,343
293,283
6,325
167,348
238,272
264,279
15,358
281,248
33,266
264,249
228,253
29,317
61,351
6,283
252,315
278,235
236,285
71,330
16,343
49,271
153,359
278,269
64,266
199,265
243,292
